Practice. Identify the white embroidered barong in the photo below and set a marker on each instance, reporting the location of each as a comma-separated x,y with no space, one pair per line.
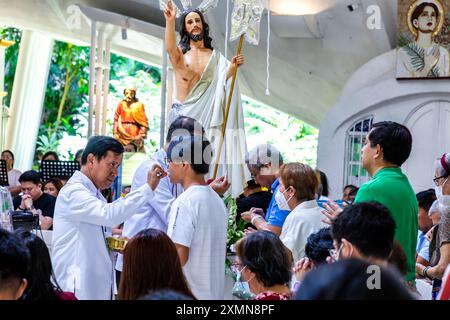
80,257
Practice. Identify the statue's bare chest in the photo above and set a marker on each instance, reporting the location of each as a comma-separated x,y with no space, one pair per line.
194,64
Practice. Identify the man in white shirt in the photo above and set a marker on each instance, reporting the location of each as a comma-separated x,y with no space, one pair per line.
198,218
83,219
155,213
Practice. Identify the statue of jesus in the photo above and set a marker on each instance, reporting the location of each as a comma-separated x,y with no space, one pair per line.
202,78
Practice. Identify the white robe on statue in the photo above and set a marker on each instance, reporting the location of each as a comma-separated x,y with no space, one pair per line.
206,103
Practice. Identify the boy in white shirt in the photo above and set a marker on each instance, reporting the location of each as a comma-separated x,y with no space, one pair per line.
198,218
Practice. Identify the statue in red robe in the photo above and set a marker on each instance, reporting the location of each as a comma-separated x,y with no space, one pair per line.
130,121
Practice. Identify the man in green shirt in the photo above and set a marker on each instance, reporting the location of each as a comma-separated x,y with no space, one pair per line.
386,148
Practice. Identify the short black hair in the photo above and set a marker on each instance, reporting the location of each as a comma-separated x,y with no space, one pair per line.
185,126
78,154
264,254
30,176
368,226
14,258
394,139
194,150
50,153
99,147
42,284
134,145
353,187
318,245
251,184
426,198
348,279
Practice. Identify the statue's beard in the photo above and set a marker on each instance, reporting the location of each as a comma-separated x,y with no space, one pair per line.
196,37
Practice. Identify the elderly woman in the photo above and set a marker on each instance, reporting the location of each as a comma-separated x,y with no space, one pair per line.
440,250
297,192
263,267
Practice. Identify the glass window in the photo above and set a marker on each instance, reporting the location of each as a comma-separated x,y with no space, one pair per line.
354,173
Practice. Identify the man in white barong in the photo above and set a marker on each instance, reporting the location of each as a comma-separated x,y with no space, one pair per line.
83,219
202,77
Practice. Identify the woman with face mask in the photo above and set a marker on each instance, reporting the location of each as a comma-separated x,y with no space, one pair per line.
263,268
440,246
297,192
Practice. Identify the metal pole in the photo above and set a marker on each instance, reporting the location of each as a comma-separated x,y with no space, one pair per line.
107,64
92,76
163,95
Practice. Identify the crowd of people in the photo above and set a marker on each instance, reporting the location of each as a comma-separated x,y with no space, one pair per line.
376,245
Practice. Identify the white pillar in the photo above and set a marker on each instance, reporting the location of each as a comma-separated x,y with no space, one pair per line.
98,82
27,98
162,123
107,65
92,76
4,44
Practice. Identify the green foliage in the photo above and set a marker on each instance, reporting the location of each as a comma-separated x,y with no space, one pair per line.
235,230
44,143
11,55
296,140
66,96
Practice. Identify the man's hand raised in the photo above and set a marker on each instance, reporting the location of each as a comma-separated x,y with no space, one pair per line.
155,174
170,13
331,212
220,185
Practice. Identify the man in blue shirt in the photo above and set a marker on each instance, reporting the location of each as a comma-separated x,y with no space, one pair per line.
425,200
263,162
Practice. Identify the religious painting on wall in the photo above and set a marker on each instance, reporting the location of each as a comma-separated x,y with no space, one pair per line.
423,50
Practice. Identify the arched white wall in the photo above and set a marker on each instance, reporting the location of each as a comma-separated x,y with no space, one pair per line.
372,90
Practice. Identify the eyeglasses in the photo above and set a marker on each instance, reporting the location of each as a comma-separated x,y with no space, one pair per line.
437,179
